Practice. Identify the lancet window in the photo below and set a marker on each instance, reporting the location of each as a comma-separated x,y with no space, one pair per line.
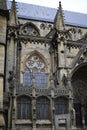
24,108
43,108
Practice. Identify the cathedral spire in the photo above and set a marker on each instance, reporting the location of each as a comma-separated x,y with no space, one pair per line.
59,19
13,14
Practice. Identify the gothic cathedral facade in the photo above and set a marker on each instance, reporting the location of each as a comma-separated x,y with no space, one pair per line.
43,70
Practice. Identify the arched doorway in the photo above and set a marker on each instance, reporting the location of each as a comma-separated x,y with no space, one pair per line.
79,83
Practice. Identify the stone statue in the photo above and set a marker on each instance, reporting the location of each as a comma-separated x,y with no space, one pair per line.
64,80
73,116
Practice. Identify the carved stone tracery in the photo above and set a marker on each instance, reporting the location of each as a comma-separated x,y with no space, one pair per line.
29,29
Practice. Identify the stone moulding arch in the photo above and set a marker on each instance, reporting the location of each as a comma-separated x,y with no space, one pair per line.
77,68
61,97
79,83
39,96
24,95
31,24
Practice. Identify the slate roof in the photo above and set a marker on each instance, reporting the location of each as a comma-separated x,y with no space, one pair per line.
47,14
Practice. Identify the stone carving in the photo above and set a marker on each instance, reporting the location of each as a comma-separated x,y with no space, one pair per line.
12,78
13,31
29,29
64,80
35,61
73,117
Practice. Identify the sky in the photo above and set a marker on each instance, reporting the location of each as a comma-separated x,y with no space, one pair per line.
71,5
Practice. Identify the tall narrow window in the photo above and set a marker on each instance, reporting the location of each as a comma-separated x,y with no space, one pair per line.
24,108
27,78
43,108
60,105
43,78
40,78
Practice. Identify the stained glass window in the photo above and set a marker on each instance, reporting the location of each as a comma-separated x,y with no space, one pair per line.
43,78
40,78
29,28
27,78
37,67
30,63
43,108
24,108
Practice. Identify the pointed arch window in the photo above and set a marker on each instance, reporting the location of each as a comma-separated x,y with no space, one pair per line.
36,71
24,108
43,108
61,105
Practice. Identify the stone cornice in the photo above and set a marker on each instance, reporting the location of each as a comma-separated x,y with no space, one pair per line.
75,44
32,38
28,90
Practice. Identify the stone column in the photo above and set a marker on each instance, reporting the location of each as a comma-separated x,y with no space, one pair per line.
2,122
52,113
9,112
71,105
14,110
52,103
34,109
83,116
34,113
12,107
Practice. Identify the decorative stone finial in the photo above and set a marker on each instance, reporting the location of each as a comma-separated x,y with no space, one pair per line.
59,19
13,14
59,3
